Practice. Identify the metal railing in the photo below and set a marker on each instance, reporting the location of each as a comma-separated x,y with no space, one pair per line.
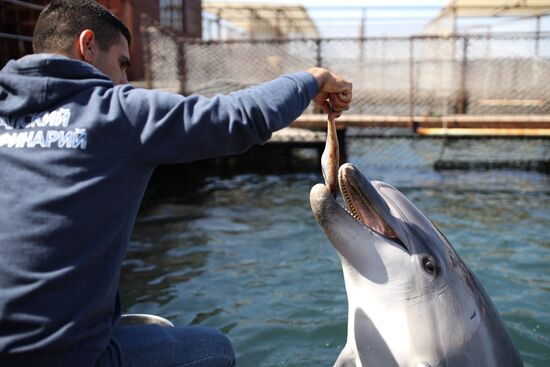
13,43
24,4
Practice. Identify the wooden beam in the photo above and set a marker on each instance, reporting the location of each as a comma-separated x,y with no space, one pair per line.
483,132
448,122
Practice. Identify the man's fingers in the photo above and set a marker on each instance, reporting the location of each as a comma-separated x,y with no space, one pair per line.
335,93
336,104
345,96
339,101
338,85
335,114
325,106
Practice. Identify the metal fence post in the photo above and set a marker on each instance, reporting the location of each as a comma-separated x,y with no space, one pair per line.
463,65
181,65
146,50
411,84
537,36
318,56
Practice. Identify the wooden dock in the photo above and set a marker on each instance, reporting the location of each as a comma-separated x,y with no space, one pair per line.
309,131
534,124
295,137
300,137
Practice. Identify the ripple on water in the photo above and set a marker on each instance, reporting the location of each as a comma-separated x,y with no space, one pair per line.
247,257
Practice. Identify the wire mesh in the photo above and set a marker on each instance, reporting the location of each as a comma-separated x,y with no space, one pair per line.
407,151
508,75
162,61
423,76
400,76
222,67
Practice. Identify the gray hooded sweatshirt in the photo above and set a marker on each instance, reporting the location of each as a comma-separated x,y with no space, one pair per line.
76,154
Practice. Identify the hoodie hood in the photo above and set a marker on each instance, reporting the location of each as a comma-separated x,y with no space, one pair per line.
36,83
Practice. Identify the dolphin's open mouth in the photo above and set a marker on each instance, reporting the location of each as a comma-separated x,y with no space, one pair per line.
363,202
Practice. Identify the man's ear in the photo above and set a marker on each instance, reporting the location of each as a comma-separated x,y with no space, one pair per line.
87,48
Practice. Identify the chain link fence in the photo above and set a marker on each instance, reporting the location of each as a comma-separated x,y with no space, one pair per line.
406,76
410,151
424,76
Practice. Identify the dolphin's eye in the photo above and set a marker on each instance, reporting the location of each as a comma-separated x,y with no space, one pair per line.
430,266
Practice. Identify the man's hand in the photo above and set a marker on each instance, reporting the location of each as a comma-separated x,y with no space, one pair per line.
334,94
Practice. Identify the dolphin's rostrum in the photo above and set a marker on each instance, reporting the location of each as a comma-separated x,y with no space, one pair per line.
412,300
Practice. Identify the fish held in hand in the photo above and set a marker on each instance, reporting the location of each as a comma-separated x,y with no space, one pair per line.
330,159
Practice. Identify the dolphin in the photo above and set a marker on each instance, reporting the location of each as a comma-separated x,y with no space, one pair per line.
412,301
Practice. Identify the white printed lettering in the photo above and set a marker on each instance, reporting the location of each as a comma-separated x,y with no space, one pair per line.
73,139
65,139
4,124
80,138
68,139
38,140
8,140
51,137
21,140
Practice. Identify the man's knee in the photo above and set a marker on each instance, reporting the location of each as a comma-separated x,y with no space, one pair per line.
185,346
212,348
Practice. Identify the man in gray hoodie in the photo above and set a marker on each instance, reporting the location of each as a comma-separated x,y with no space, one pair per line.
77,148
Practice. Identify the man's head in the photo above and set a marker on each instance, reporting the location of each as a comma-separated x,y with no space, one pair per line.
85,30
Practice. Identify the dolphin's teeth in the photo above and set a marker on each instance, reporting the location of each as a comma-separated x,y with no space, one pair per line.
354,215
350,208
389,231
354,212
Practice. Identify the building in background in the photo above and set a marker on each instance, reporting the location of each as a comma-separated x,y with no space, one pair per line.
17,20
489,16
224,19
221,20
241,20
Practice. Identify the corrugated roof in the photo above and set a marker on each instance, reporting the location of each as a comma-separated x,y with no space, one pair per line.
274,20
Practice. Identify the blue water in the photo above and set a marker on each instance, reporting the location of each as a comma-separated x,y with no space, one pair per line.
245,255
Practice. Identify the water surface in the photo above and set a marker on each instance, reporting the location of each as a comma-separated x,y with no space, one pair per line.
245,255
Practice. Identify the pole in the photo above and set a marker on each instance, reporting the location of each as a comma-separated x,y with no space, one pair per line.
462,91
537,37
411,84
219,23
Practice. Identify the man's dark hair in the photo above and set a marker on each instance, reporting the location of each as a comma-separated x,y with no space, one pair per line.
62,21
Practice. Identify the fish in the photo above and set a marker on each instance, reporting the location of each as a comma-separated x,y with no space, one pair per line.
330,159
412,300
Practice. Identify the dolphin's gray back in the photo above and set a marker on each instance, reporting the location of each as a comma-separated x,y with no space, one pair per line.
492,345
